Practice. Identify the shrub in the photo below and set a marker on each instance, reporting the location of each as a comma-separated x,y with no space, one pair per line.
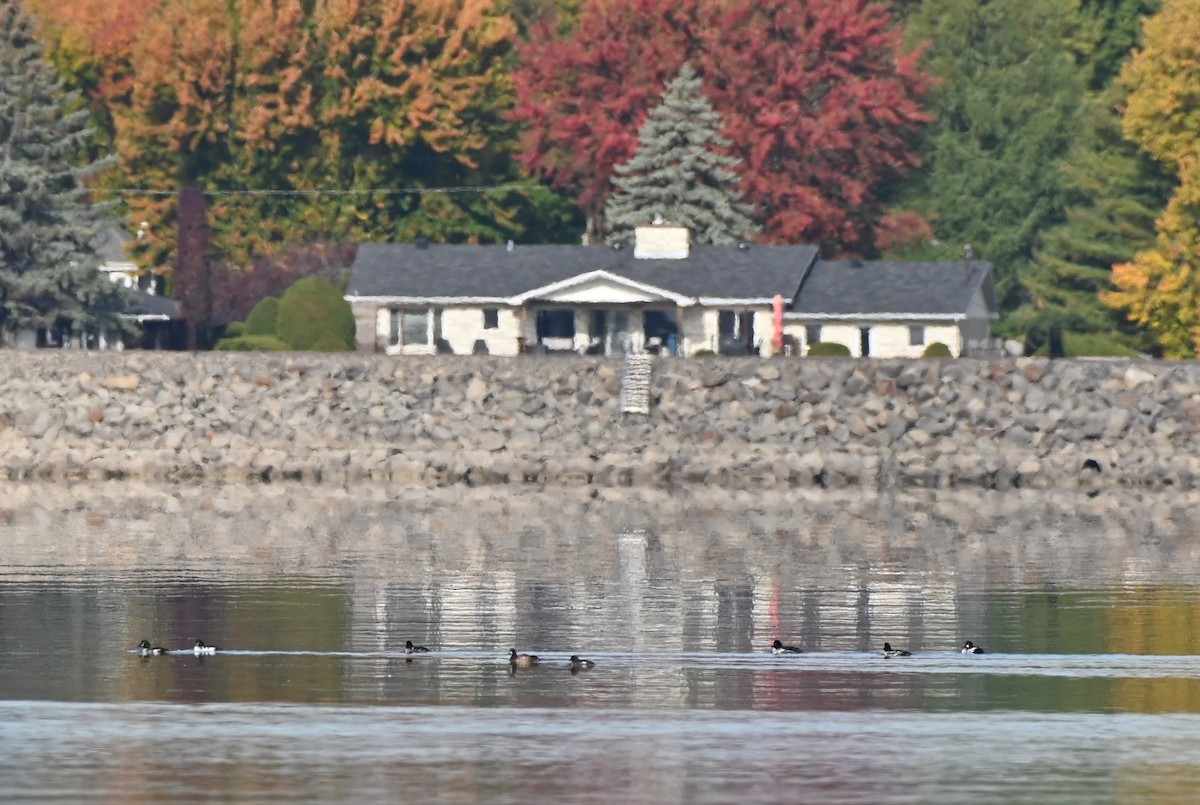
313,310
1095,345
252,343
828,349
234,329
703,353
937,350
264,319
329,343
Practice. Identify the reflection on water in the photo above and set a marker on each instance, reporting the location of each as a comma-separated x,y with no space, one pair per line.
1090,685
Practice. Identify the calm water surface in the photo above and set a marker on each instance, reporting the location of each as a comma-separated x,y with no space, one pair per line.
1089,692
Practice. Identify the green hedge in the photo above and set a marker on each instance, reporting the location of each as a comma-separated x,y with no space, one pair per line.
311,311
828,349
937,350
264,318
252,343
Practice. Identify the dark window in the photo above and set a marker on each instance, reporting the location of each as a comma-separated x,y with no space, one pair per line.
812,334
916,335
864,340
556,323
491,318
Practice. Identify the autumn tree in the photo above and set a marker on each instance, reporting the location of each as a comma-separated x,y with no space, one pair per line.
48,268
818,98
324,120
1160,287
679,171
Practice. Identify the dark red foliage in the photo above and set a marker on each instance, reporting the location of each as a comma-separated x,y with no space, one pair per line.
237,290
818,99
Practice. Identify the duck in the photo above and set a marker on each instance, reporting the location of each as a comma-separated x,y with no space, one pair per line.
971,648
147,650
521,660
889,652
203,648
779,648
578,664
409,648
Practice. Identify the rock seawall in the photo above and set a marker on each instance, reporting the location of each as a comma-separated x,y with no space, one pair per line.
732,422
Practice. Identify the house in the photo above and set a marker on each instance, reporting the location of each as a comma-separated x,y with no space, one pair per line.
157,317
893,309
160,325
663,295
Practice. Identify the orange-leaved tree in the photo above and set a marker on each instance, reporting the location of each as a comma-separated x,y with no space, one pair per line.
1160,287
305,119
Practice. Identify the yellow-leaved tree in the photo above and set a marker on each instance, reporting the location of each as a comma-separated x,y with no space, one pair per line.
1160,287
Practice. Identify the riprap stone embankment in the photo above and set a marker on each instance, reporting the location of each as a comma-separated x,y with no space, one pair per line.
734,422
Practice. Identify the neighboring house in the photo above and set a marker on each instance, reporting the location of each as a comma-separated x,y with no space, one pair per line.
158,318
663,295
893,310
159,322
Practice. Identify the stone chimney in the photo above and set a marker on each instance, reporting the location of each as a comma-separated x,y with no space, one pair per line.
661,241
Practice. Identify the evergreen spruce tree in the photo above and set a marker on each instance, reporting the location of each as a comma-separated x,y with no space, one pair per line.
680,171
48,269
1114,194
1008,110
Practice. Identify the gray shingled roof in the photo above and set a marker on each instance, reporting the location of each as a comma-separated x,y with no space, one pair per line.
463,271
841,287
110,244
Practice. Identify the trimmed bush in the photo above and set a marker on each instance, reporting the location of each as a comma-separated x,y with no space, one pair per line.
1090,345
252,343
264,319
703,353
937,350
828,349
234,329
312,310
329,343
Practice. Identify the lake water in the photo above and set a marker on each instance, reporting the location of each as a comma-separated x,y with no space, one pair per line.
1089,692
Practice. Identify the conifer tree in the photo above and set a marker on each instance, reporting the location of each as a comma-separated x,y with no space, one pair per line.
1009,109
680,171
48,270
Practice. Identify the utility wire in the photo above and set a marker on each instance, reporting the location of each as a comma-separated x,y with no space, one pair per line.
390,191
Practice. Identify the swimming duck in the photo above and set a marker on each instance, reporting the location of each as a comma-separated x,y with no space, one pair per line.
889,652
409,648
146,650
521,660
779,648
579,665
203,648
971,648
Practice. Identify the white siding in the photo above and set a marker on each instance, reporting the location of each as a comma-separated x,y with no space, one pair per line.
463,326
890,340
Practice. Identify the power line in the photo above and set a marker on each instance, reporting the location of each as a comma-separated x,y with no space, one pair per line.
385,191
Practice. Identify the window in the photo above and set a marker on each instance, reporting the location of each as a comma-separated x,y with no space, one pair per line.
413,327
491,318
864,341
812,334
556,323
916,335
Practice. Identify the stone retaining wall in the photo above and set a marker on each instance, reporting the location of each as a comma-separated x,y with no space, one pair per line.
732,422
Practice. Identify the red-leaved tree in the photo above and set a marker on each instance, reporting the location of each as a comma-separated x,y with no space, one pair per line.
818,97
